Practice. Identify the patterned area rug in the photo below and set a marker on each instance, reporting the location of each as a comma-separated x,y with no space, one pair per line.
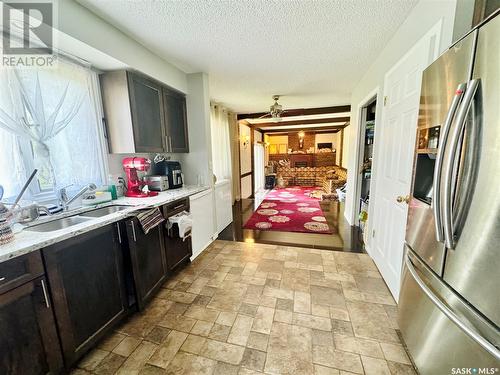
291,209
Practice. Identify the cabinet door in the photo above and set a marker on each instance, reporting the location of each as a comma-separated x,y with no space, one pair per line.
146,108
174,107
28,339
176,249
87,288
148,260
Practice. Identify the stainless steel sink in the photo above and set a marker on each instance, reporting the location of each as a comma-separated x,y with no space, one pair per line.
58,224
103,211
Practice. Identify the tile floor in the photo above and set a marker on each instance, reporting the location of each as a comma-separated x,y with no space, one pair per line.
252,308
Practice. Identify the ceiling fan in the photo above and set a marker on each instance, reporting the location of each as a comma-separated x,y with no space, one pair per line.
276,110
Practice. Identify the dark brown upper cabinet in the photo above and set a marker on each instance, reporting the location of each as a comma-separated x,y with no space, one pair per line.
142,115
145,107
174,109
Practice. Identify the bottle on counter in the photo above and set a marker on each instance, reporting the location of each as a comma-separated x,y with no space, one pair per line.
112,187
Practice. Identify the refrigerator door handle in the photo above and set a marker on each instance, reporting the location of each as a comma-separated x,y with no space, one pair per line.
483,342
448,188
436,193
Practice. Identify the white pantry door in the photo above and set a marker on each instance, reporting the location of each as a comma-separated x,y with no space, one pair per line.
395,161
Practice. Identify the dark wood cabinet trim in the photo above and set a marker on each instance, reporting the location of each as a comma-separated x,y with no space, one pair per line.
44,318
72,352
136,126
20,270
134,249
167,92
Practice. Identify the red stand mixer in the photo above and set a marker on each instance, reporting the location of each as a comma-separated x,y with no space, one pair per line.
134,183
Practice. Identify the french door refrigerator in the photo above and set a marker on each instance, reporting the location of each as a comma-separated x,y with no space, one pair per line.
449,305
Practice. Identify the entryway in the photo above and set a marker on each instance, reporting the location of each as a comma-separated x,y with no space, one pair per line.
394,157
365,161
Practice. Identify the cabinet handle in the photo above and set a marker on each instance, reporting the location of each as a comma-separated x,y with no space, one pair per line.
133,231
2,278
179,206
45,295
119,234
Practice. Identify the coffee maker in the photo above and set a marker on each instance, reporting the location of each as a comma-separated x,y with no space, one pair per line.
134,183
173,171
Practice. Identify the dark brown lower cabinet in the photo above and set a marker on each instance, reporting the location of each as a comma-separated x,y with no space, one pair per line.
147,258
28,337
87,286
177,250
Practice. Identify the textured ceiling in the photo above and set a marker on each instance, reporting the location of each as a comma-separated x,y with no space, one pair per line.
311,52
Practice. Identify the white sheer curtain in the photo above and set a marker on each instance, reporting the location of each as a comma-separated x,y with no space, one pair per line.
50,120
221,149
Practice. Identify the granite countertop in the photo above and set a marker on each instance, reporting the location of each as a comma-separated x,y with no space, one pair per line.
28,241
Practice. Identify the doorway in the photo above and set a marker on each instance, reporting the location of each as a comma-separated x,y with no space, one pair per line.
395,149
259,165
365,158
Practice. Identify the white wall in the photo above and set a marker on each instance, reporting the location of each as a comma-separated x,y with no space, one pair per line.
245,160
328,138
93,39
82,24
346,146
198,162
257,136
246,186
425,14
245,151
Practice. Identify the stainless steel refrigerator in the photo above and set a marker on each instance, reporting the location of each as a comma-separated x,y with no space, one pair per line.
449,305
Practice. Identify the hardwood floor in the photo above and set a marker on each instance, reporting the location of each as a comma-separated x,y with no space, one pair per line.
343,238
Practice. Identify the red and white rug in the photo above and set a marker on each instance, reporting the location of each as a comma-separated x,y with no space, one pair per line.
289,209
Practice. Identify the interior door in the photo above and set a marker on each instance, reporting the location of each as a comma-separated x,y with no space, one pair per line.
259,178
394,166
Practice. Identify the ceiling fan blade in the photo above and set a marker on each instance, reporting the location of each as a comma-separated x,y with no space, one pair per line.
264,116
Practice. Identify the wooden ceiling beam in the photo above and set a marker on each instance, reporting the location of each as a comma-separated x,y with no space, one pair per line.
299,112
323,129
301,122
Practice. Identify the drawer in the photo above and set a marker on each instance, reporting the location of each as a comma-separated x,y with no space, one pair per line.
19,270
175,207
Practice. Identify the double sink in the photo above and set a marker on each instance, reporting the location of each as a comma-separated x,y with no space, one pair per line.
69,221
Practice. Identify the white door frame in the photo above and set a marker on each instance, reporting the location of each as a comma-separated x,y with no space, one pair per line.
359,150
434,33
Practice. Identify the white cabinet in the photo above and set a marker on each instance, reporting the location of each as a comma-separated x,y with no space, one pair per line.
223,204
202,212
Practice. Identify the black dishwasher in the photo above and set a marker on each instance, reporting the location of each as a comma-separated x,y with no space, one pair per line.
177,250
147,259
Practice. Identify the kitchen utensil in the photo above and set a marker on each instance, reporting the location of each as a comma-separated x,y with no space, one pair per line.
19,196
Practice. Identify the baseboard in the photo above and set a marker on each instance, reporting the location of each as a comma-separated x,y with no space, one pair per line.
194,256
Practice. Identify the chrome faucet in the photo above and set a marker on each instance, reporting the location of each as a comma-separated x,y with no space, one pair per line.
64,201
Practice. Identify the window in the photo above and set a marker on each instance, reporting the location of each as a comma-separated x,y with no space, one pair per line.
50,119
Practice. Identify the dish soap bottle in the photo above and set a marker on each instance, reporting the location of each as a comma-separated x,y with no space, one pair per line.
112,187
